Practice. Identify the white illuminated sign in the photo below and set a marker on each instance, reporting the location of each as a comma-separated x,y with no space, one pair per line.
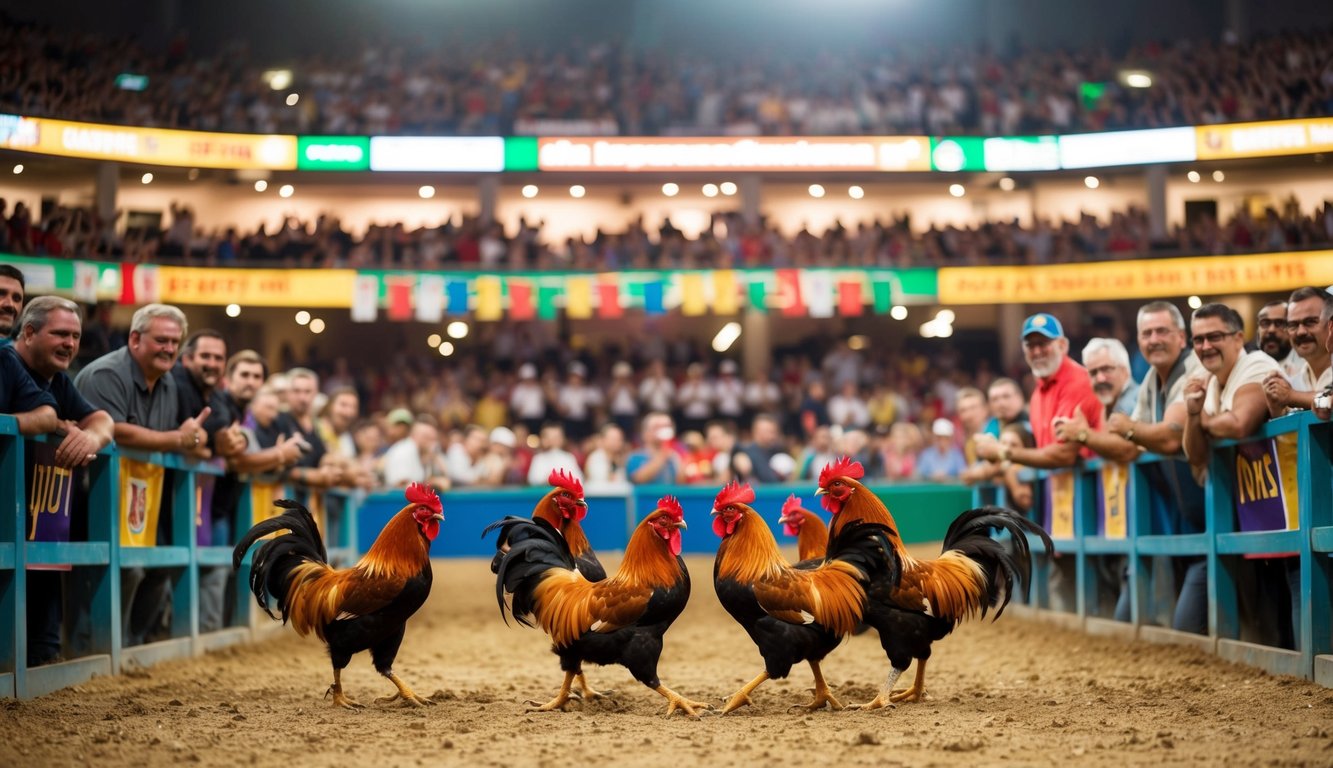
1100,150
437,153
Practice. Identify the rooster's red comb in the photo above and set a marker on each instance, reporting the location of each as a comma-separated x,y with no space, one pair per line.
790,505
671,505
420,493
562,479
843,467
733,493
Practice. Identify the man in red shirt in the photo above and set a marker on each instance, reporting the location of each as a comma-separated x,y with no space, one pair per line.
1063,387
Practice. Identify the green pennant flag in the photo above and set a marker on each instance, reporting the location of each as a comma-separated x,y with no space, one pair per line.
883,296
546,301
755,290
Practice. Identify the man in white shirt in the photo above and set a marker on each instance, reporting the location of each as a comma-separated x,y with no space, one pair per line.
622,400
417,458
576,400
527,401
848,409
695,398
1271,336
729,392
657,392
552,456
1228,403
464,456
1308,311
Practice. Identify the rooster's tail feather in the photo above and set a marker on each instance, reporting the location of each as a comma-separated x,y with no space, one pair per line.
970,535
274,561
534,549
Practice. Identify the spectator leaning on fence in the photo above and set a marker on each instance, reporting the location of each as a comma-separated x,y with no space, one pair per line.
48,341
1308,312
11,300
1271,338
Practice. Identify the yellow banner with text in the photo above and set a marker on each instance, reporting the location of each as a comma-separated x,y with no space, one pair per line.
256,287
157,146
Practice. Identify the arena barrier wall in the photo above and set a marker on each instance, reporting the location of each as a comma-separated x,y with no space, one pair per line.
1244,476
95,549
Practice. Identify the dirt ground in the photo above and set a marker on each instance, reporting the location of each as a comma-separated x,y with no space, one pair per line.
1011,693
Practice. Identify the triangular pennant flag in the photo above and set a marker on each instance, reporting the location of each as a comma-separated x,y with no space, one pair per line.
725,299
883,291
365,298
849,298
488,298
756,293
430,298
400,297
127,283
578,297
693,301
652,298
147,288
457,291
85,282
818,292
789,293
520,300
608,300
546,296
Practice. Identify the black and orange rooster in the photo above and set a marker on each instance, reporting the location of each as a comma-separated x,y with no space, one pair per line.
806,527
975,573
620,620
792,614
365,607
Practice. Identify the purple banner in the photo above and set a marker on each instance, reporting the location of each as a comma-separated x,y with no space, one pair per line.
49,489
203,508
1259,499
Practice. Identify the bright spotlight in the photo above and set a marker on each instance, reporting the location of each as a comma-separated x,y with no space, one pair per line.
261,185
728,188
816,190
577,191
457,329
1007,184
18,169
1137,79
899,312
302,317
855,192
286,190
710,190
434,340
278,79
317,326
1193,176
292,98
446,348
1091,182
426,192
726,337
1218,176
147,178
945,315
957,190
233,310
1195,302
671,189
529,190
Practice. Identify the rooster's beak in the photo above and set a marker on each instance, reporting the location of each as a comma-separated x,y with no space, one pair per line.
682,526
784,519
437,516
581,503
820,491
714,511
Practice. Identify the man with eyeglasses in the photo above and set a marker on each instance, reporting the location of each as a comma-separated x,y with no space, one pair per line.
1308,312
1271,336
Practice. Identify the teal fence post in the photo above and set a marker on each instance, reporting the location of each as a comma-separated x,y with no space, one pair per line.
13,584
1220,518
1314,636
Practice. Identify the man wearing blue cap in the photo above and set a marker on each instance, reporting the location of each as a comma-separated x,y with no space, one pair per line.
1063,388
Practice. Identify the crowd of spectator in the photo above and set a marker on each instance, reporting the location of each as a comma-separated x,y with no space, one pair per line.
471,244
502,86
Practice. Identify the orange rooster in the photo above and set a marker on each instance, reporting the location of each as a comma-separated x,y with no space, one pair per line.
791,614
974,573
620,620
365,607
806,527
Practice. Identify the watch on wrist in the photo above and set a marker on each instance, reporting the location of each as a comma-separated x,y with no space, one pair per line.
1129,433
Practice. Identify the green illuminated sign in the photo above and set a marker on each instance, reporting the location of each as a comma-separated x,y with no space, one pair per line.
332,153
957,154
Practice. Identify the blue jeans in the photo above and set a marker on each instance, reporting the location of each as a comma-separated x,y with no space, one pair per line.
1192,605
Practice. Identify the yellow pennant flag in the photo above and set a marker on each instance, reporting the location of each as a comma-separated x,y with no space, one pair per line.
140,502
578,297
693,302
725,300
488,298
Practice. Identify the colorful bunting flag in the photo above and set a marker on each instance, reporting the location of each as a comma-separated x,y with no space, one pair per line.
608,300
652,298
789,292
756,294
365,299
457,291
578,297
520,301
849,298
488,298
693,301
400,297
147,286
725,299
127,283
883,291
85,282
546,296
818,292
430,298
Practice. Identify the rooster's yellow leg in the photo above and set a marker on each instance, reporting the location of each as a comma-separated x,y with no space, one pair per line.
742,697
561,700
883,698
676,701
587,691
404,693
823,696
339,698
918,688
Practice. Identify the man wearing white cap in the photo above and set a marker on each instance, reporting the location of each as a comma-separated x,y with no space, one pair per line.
942,460
576,400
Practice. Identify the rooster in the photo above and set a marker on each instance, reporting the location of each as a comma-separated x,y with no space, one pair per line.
364,607
792,614
620,620
563,507
974,573
806,527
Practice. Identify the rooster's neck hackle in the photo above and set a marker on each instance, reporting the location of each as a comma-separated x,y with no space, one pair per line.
647,562
812,540
400,551
750,551
862,506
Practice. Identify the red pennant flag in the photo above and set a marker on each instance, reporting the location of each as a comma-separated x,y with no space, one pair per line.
849,298
400,299
520,301
608,305
789,289
127,284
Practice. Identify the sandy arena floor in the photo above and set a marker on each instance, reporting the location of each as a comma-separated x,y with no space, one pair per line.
1011,693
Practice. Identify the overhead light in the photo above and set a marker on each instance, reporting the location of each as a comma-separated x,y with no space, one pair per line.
816,190
957,190
457,329
1193,176
899,312
726,337
1091,182
292,98
446,348
710,190
317,326
261,185
286,190
18,169
278,79
1218,176
1007,184
233,310
728,188
529,190
434,340
302,317
577,191
426,192
855,192
936,329
147,178
945,315
1195,302
671,189
1136,78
